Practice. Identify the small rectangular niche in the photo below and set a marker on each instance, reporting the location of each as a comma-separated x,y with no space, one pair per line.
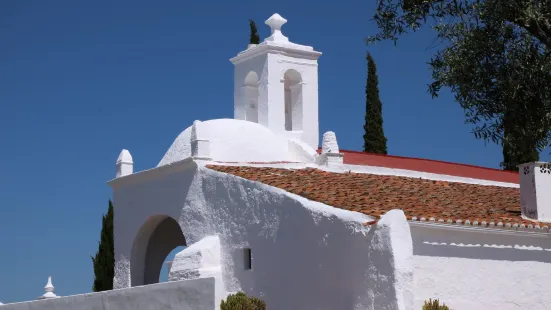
247,258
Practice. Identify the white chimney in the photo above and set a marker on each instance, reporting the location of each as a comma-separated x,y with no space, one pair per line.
125,164
535,191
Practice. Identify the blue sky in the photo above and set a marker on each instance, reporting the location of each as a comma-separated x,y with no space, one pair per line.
80,80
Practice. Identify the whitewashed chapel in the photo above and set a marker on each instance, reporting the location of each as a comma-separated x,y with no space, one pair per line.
248,235
263,210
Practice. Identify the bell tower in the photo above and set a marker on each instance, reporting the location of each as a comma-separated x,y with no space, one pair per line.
276,85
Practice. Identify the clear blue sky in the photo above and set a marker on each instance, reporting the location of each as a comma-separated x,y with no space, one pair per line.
80,80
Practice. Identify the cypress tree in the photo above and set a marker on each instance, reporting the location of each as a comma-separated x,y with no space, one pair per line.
374,136
254,38
104,261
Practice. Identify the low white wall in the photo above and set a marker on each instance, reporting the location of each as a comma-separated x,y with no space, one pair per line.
179,295
474,269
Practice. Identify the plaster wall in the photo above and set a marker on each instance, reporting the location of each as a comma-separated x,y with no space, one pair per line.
301,151
301,250
179,295
200,260
481,268
308,69
258,65
390,264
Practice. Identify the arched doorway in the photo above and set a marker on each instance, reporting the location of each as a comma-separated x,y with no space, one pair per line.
293,100
159,235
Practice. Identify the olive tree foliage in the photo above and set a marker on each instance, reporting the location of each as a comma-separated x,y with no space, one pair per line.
397,17
494,56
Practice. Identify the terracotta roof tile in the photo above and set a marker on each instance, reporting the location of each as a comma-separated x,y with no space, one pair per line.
374,195
429,166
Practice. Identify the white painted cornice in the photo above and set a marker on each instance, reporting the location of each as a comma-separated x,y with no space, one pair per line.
153,173
291,50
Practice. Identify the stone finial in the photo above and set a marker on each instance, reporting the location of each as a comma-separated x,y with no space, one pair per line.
48,290
330,150
329,143
275,22
200,144
125,164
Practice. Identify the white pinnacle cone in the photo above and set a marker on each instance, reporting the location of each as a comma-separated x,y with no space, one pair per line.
48,290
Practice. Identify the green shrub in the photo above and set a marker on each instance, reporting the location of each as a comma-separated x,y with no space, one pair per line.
434,305
257,304
240,301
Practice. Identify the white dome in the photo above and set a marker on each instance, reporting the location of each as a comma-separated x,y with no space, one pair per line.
233,140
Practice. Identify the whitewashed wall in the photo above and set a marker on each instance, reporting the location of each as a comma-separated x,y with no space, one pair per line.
305,255
179,295
481,269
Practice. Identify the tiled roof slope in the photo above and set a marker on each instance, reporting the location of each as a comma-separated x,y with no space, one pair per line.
430,166
374,195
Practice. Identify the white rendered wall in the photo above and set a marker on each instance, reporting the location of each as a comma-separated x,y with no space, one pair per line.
200,260
302,152
308,70
179,295
258,65
390,264
481,269
305,255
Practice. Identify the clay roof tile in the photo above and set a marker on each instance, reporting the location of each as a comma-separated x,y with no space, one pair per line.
376,194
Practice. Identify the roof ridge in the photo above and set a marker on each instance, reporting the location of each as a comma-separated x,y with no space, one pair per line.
428,159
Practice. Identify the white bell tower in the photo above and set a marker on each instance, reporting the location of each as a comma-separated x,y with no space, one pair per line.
276,85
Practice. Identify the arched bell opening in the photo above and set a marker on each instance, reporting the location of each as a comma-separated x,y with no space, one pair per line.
293,100
250,89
